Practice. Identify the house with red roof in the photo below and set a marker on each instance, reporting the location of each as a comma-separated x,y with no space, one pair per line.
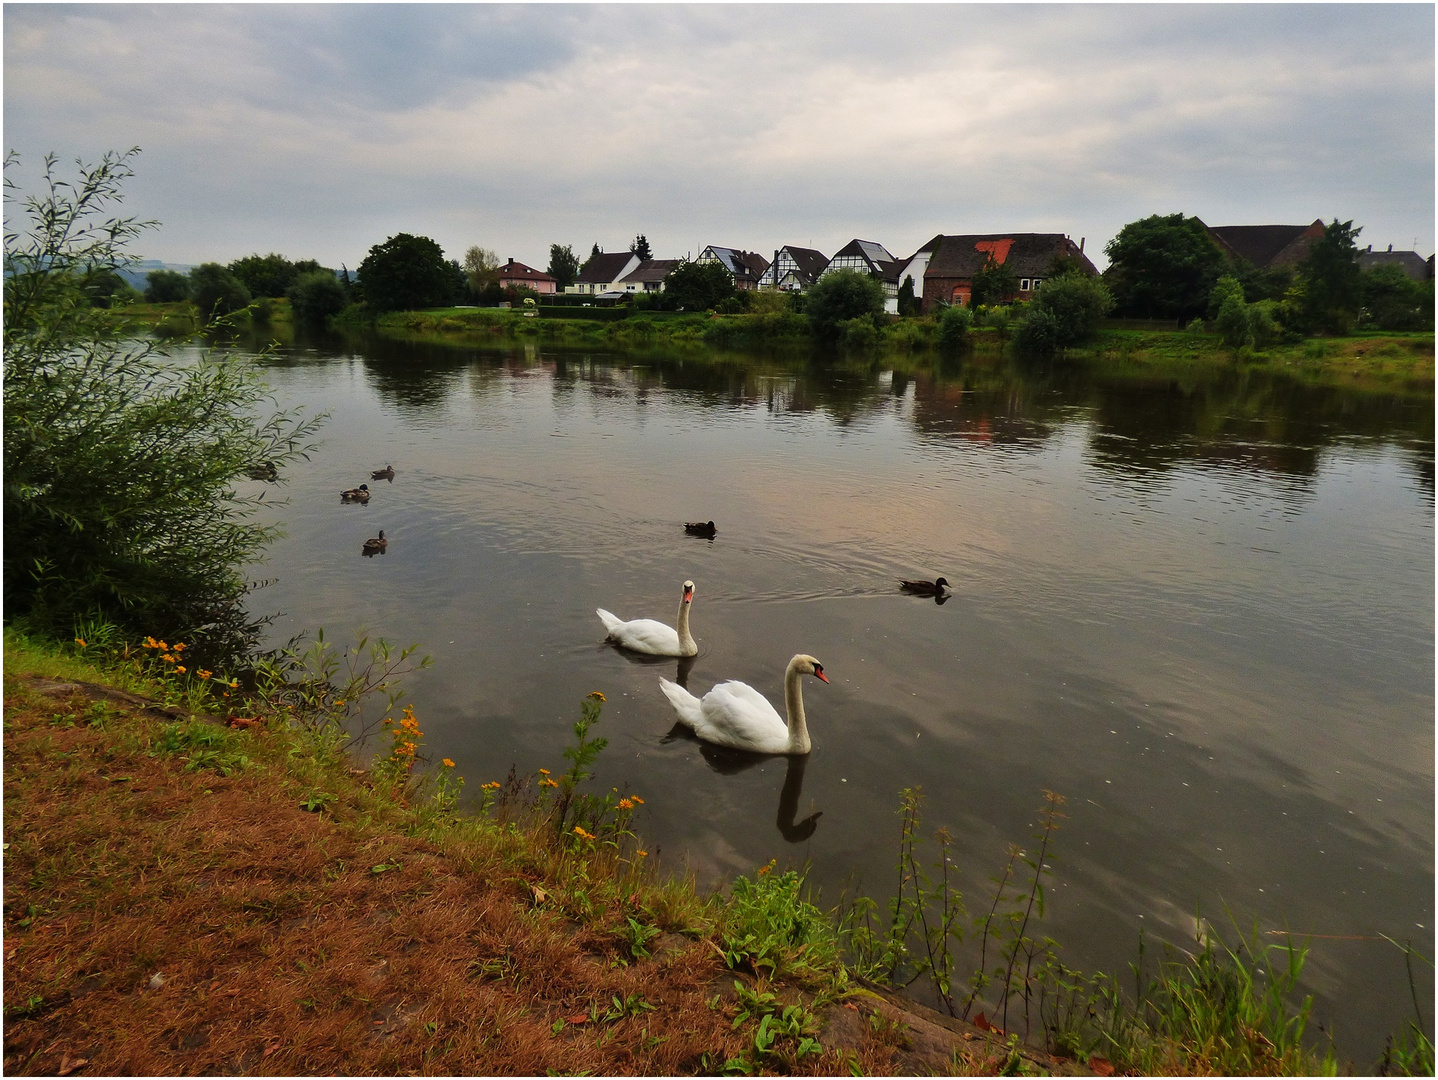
948,274
516,273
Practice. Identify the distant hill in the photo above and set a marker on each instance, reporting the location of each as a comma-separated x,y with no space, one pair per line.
134,274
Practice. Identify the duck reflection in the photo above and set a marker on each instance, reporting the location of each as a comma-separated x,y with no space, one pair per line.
727,761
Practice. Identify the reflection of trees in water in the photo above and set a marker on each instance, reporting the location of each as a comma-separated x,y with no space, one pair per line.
1257,421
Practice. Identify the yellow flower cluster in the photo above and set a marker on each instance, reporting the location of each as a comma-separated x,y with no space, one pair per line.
493,785
580,832
597,695
448,764
170,654
766,868
406,737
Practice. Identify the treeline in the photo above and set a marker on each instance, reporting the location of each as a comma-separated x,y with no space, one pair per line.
315,292
1168,267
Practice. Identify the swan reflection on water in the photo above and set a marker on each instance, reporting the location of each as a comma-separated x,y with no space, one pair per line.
686,663
728,762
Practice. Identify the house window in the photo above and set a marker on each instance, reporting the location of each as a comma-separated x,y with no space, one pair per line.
1023,285
1038,282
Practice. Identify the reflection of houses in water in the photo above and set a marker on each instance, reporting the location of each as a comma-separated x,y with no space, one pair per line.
999,416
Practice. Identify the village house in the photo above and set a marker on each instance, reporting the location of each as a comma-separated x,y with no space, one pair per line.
1410,262
516,273
873,259
954,260
601,274
648,276
1267,246
793,269
747,267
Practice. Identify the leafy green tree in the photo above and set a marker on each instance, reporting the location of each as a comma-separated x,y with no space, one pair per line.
480,266
843,295
954,324
104,288
563,265
1394,301
1163,267
1232,320
166,287
1224,288
595,250
1333,284
123,467
317,295
640,247
1065,311
995,283
216,291
405,273
265,275
696,286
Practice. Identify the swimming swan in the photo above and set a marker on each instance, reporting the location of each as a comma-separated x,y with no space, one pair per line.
650,635
735,714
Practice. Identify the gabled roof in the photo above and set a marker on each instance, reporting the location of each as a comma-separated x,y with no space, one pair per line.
809,261
1412,264
603,268
744,265
651,270
517,271
1025,254
1268,245
874,254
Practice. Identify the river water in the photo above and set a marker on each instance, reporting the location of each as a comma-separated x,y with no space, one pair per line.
1200,610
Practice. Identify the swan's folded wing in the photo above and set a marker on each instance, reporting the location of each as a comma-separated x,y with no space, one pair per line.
737,715
646,636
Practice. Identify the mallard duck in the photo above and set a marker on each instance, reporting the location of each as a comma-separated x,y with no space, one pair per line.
924,588
264,470
375,545
359,494
387,473
700,528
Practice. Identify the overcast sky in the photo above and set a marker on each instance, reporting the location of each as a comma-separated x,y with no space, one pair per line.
319,130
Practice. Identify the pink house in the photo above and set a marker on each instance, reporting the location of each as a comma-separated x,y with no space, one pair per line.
516,273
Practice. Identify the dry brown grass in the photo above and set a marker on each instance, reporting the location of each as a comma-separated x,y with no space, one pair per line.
163,921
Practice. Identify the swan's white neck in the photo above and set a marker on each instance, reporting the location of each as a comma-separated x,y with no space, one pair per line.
687,645
794,707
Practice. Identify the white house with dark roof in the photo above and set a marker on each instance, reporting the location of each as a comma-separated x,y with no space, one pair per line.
873,259
746,266
602,273
793,269
648,276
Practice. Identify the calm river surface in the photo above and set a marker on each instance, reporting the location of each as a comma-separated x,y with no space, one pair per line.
1202,612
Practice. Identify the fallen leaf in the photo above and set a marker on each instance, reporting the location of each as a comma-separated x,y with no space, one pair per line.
540,896
577,1018
270,1049
1101,1066
69,1064
851,1005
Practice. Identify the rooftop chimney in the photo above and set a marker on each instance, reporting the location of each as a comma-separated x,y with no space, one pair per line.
1081,240
1390,247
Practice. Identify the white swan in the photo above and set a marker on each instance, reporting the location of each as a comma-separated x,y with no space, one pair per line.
650,635
735,714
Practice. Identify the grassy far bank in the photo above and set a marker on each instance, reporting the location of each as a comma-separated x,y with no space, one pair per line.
1395,361
1372,360
185,897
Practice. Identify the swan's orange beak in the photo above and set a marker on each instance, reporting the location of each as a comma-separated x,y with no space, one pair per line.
688,595
820,673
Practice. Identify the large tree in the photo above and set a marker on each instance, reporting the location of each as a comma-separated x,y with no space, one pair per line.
406,273
480,265
640,247
266,275
166,286
316,295
1332,281
841,296
1163,267
697,286
1394,301
216,291
563,265
995,283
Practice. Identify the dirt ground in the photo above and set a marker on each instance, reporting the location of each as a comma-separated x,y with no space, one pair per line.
163,921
